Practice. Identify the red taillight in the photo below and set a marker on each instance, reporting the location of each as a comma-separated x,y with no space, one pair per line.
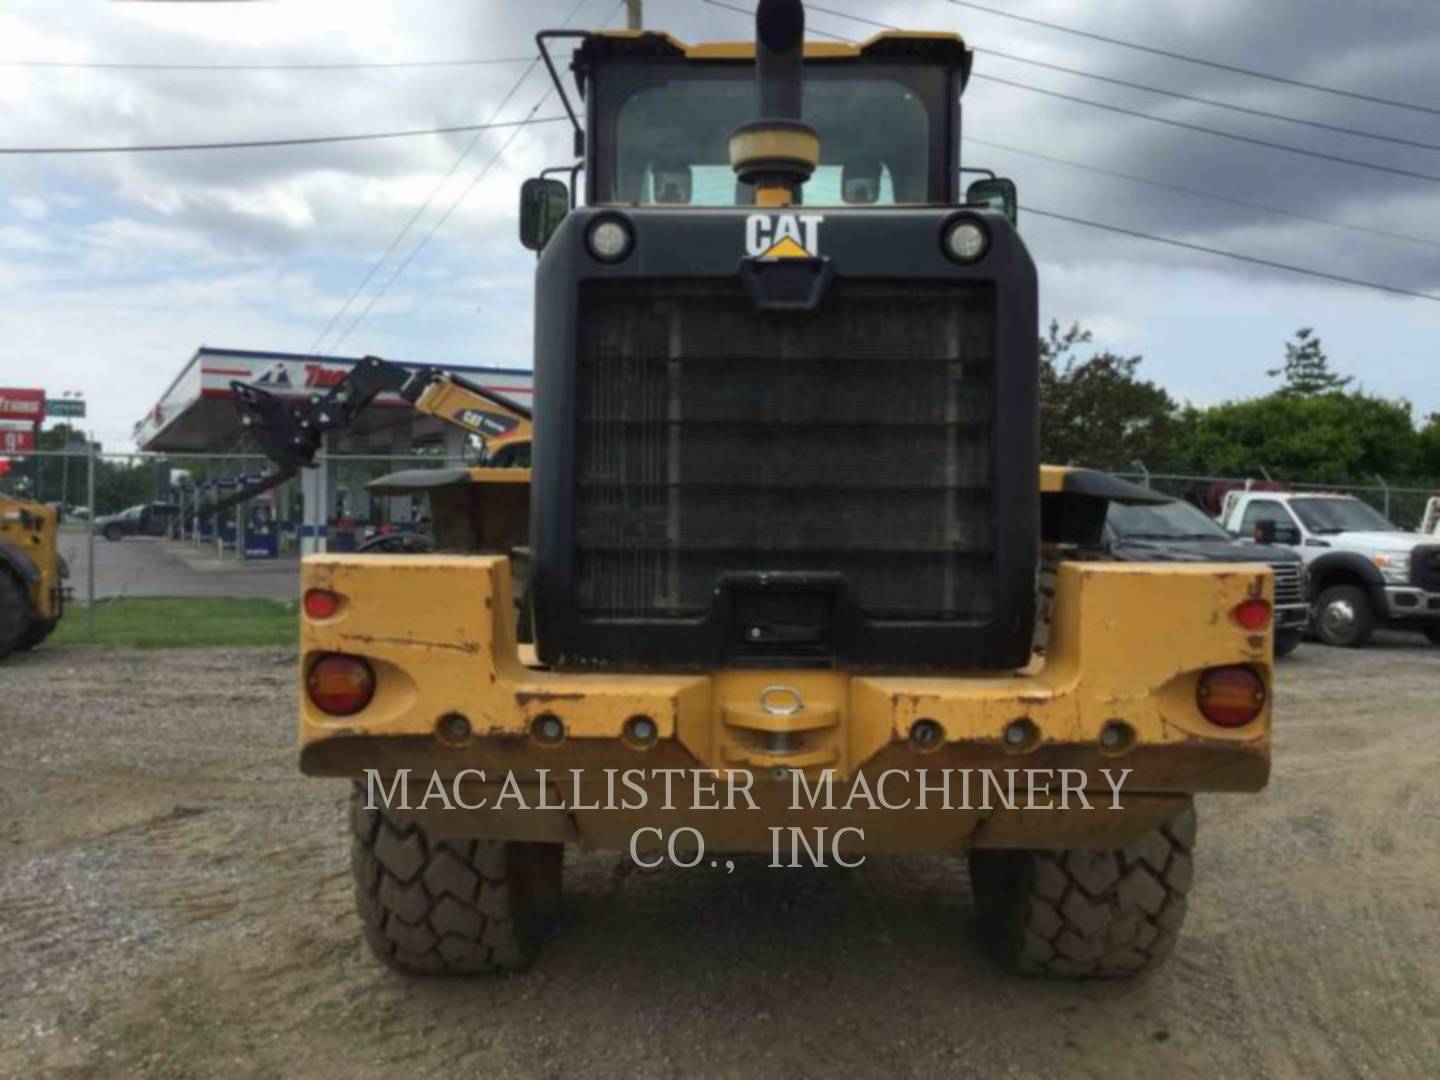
321,603
1230,696
340,685
1252,614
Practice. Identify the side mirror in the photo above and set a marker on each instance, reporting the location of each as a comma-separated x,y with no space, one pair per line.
998,193
543,205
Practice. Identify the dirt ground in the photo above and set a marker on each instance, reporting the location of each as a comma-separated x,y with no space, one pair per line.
175,901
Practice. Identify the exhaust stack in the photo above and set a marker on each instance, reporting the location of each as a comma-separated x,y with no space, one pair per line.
778,152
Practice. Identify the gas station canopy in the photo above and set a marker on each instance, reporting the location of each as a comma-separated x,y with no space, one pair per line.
197,414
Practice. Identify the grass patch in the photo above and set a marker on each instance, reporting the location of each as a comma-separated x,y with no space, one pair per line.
168,623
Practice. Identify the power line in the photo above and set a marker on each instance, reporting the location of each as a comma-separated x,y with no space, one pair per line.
1170,241
1212,102
430,199
248,144
1195,192
1217,65
430,233
1245,109
338,66
455,205
1271,264
417,215
1185,125
1393,170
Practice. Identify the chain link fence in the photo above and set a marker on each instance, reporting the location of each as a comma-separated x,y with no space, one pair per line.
1405,506
135,524
143,525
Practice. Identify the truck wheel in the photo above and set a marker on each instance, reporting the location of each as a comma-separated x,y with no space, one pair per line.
1087,914
1287,642
39,631
449,907
16,617
1343,617
113,533
1433,633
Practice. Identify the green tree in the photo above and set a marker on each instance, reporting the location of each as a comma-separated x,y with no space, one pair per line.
1428,451
1097,411
1334,436
1307,368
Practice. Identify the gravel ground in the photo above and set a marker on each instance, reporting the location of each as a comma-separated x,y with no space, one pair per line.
175,901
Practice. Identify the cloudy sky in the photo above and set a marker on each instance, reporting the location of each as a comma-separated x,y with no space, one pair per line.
114,268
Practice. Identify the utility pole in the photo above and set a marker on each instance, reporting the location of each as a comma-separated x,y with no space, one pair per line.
90,449
633,20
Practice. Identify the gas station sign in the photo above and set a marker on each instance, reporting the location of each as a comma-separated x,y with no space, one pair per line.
17,440
68,407
25,405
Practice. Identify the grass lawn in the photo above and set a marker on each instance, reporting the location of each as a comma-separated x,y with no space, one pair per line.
165,623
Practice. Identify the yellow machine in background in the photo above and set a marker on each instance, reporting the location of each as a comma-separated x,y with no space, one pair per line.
32,574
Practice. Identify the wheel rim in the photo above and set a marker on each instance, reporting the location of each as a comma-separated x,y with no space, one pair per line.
1338,619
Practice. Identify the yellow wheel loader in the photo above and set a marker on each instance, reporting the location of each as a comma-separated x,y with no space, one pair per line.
800,587
32,574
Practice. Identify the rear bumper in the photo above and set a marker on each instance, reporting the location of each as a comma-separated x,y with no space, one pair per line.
437,632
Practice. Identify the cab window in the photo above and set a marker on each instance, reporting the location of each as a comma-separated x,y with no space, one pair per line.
664,133
1263,510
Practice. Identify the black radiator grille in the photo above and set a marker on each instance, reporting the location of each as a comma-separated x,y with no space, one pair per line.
1289,583
712,439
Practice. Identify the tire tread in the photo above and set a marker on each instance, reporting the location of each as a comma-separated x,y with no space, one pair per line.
1088,914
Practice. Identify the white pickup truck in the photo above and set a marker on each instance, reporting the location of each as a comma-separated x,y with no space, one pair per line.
1364,571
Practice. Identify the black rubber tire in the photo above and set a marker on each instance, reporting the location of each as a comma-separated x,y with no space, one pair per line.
450,907
39,631
1433,633
1361,629
1287,641
1087,914
113,533
17,616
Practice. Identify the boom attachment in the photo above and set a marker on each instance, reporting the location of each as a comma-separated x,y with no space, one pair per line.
291,434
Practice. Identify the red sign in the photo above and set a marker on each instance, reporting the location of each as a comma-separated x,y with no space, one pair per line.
22,405
16,440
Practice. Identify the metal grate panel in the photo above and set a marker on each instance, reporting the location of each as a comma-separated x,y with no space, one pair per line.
713,439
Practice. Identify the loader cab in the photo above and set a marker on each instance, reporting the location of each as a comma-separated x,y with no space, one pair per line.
658,116
785,377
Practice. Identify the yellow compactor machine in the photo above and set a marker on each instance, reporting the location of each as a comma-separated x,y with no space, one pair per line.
32,574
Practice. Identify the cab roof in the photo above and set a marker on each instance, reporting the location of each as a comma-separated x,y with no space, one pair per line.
944,48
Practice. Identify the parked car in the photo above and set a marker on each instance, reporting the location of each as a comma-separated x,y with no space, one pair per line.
147,519
1365,571
1179,532
397,543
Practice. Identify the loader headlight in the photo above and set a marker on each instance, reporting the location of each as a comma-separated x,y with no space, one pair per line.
966,239
1394,567
609,239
